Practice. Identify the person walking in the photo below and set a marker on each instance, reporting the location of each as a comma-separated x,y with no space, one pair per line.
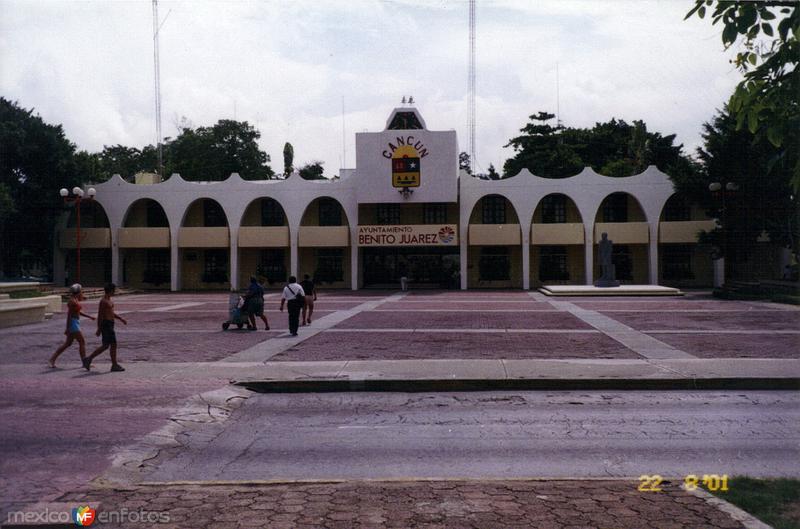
73,330
311,296
254,302
105,328
294,298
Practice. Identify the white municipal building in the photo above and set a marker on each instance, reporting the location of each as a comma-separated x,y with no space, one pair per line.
403,211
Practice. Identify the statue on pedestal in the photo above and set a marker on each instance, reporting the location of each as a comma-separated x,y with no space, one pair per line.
605,251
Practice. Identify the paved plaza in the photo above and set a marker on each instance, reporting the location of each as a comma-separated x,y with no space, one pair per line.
64,428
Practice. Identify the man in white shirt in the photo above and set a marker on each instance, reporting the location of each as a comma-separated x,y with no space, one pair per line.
294,298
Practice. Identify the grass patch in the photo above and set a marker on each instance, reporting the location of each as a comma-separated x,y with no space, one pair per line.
22,294
773,501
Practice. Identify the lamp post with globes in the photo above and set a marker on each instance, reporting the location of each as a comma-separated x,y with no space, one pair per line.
720,190
77,197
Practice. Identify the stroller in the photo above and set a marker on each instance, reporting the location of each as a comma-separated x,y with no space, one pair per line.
237,314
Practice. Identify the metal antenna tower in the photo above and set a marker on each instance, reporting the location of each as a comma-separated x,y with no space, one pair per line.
471,88
157,87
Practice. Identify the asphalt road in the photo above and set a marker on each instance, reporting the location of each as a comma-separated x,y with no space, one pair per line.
497,435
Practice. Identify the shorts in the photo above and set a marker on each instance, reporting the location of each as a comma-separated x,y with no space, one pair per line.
256,306
107,332
74,325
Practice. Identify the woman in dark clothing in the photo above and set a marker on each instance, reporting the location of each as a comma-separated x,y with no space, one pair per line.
254,304
311,297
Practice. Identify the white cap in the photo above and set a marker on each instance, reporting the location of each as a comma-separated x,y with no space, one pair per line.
74,289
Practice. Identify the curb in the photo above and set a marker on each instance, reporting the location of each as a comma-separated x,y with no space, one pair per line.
340,385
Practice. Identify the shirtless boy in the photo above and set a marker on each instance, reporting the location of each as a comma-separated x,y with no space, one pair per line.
105,326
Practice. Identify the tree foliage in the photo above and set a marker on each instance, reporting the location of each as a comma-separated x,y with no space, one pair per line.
767,99
36,160
763,202
464,162
614,148
288,159
312,171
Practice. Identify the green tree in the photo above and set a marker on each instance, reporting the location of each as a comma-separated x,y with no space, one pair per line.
766,100
613,148
763,202
464,162
312,171
37,160
288,159
213,153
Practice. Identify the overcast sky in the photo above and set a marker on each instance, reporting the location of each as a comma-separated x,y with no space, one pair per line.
285,66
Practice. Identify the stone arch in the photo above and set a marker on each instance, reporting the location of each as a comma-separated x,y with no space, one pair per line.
274,216
476,212
633,210
311,217
571,211
195,214
93,215
141,213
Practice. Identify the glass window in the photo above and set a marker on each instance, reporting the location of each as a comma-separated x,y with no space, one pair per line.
273,265
330,265
494,210
156,218
405,121
215,266
213,215
495,264
676,261
434,213
554,209
271,213
330,212
553,263
387,214
615,208
677,210
623,264
156,269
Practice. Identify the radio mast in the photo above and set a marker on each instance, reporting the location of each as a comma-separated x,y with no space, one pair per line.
471,88
157,81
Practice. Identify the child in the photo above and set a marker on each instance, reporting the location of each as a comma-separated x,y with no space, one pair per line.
73,331
105,326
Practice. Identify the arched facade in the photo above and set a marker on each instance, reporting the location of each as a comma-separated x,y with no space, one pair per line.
144,243
404,209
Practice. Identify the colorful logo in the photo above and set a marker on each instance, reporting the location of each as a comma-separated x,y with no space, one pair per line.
83,516
446,234
405,167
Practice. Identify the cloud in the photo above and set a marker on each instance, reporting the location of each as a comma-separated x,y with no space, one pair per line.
285,67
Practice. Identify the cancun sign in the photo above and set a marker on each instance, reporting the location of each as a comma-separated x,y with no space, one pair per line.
406,154
408,235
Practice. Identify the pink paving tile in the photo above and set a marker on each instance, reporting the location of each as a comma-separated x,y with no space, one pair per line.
765,320
464,305
767,345
463,320
433,345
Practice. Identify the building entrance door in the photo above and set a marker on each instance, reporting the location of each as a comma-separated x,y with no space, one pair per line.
434,267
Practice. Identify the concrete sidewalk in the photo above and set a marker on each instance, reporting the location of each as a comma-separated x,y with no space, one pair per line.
463,375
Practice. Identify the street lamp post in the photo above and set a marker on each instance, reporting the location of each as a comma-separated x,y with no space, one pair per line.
716,189
76,198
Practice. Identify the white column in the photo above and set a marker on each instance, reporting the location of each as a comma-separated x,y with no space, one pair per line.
526,260
234,258
588,253
115,260
354,263
463,243
174,261
719,272
293,254
653,255
59,262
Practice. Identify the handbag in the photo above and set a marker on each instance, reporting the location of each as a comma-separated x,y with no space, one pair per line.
298,298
